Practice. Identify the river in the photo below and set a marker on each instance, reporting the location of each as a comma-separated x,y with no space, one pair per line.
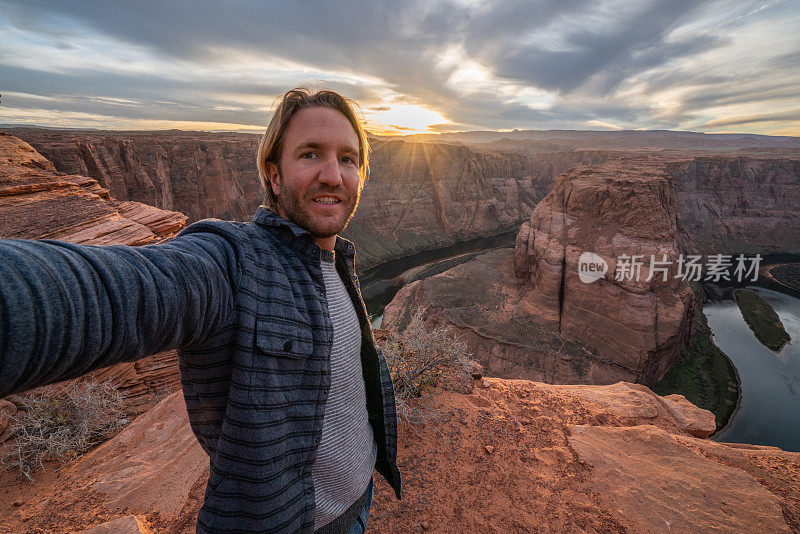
769,410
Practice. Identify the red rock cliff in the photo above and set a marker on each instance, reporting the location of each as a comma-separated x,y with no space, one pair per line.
738,204
36,202
512,456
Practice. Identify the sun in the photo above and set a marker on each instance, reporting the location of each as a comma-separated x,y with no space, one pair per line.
401,119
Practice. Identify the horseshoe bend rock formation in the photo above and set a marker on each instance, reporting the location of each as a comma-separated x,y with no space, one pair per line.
424,196
512,455
528,310
37,202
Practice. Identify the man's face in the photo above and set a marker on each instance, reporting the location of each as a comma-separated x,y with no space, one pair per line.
317,182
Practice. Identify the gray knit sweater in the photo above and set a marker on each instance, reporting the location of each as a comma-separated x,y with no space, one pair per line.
346,455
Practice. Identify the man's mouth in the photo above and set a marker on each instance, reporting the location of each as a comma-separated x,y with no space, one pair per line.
326,200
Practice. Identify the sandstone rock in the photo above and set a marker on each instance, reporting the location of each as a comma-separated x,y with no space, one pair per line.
507,342
122,525
619,208
489,449
437,194
36,201
528,313
475,370
738,204
154,468
635,404
656,484
584,463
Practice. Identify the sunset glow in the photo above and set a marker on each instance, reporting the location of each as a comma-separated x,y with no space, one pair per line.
715,66
401,119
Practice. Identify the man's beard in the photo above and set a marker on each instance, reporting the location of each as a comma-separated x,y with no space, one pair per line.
292,208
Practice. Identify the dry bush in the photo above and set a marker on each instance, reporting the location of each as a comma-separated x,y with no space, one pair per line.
62,425
423,360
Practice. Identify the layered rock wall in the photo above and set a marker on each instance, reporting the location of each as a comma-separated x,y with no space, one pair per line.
419,196
534,315
738,204
618,211
38,202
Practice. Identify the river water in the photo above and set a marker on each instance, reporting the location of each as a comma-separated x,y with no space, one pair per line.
769,412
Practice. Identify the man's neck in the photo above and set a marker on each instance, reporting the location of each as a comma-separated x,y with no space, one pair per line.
326,243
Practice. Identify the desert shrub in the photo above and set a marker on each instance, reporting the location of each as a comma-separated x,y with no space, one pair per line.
62,425
422,361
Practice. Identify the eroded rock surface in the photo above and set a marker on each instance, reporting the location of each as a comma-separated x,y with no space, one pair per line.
511,456
420,195
37,202
528,309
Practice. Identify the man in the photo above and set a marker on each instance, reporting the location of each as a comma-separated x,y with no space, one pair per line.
285,388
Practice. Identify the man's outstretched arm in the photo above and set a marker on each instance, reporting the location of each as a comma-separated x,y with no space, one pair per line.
68,309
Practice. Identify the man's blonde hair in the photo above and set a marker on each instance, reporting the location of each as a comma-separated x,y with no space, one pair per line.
271,145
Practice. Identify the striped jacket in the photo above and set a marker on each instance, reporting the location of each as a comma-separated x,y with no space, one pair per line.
244,304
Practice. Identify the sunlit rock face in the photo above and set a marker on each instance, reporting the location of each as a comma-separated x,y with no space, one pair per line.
571,458
38,202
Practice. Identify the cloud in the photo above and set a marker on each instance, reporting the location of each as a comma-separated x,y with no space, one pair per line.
793,115
480,65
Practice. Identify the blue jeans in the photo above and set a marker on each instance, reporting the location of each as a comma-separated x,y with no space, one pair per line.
360,526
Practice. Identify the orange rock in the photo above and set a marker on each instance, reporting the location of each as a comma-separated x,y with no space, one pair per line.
537,319
595,458
36,202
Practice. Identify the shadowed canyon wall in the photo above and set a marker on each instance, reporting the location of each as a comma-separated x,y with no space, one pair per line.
538,320
420,195
738,204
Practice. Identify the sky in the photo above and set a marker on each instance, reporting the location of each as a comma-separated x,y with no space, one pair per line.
413,66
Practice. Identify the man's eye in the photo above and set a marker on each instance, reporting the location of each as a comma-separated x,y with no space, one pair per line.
348,160
308,155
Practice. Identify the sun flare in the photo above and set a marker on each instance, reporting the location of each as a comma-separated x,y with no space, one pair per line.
401,119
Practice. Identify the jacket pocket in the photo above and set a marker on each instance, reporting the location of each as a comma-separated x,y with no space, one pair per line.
284,341
280,364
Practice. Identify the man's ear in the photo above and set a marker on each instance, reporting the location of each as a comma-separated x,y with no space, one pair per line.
274,176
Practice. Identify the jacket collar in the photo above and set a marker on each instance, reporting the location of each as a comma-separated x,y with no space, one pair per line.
300,239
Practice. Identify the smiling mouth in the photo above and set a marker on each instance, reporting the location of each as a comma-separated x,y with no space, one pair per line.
328,201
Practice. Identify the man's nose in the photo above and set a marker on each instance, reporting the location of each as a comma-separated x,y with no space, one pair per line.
330,173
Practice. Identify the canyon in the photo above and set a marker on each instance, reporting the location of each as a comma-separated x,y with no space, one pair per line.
530,315
419,195
507,454
733,192
39,202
